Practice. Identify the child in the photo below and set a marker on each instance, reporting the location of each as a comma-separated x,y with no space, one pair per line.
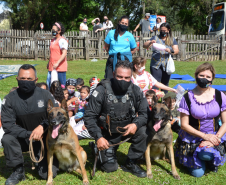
93,84
80,128
66,95
79,84
150,95
143,79
42,85
175,123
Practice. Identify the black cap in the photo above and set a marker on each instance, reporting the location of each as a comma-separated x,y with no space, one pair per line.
71,81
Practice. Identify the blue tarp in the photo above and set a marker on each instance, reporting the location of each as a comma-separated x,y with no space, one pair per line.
2,76
10,68
192,86
152,20
220,76
181,77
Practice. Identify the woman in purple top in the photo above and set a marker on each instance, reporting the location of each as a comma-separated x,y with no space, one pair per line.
201,140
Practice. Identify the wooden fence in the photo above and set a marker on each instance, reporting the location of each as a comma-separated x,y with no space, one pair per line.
88,45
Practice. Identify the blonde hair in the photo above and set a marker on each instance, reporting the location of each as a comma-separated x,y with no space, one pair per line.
138,61
203,67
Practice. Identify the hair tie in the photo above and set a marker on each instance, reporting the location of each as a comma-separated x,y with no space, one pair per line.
58,25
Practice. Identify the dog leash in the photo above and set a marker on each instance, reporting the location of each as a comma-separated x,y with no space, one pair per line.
31,151
121,142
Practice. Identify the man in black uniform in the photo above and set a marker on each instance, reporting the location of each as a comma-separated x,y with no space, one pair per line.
118,103
23,113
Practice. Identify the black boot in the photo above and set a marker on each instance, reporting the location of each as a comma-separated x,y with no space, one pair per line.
211,166
17,175
130,166
94,149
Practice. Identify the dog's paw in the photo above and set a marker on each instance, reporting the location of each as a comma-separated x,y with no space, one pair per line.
85,182
150,176
176,177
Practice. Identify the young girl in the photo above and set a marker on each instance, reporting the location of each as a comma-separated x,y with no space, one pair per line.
78,123
145,80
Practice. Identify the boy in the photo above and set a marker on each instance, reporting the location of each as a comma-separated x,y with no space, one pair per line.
175,123
79,84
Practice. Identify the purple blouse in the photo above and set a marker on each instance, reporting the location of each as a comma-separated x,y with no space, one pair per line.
205,112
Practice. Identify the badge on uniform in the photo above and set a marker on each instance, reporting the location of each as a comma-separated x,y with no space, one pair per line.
95,93
40,103
3,101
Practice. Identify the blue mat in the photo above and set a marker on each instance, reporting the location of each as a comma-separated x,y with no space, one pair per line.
192,86
220,76
2,76
182,77
11,68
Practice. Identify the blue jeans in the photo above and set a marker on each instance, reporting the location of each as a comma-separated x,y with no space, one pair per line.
203,156
61,78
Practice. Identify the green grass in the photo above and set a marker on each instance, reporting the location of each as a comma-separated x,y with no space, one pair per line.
161,169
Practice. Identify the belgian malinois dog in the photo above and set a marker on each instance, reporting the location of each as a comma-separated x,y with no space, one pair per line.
62,142
163,139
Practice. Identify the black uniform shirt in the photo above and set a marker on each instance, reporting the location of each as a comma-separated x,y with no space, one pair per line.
94,109
22,113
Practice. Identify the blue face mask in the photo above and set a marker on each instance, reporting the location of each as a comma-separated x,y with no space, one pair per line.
54,33
71,91
84,22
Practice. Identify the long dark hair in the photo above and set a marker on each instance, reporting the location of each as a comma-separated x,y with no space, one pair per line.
117,27
62,28
169,39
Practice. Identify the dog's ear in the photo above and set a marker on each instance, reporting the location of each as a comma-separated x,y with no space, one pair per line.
154,100
168,102
49,105
64,104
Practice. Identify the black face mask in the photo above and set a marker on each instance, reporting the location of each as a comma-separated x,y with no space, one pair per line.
105,20
84,22
163,33
120,87
26,86
123,27
97,21
54,33
203,82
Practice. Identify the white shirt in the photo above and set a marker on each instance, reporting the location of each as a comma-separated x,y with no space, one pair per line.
62,43
109,26
84,26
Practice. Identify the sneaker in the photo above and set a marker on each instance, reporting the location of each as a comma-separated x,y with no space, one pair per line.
17,176
131,167
211,166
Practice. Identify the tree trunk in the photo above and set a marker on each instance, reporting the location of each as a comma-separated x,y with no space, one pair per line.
143,5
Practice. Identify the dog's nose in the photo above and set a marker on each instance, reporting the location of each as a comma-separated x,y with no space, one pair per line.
53,121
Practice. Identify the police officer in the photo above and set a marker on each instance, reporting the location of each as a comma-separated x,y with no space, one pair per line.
118,103
23,113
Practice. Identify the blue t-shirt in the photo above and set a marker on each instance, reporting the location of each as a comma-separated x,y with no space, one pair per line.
125,43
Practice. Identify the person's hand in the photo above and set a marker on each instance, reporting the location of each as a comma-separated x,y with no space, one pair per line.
212,138
173,90
152,42
208,144
37,133
55,66
102,144
167,50
96,30
131,129
134,30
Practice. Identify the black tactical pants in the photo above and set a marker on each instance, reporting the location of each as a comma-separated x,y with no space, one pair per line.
13,149
108,157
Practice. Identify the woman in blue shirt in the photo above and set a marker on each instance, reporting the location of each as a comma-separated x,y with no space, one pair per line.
159,58
120,44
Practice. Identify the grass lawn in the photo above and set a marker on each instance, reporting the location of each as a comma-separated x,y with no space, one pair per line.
161,169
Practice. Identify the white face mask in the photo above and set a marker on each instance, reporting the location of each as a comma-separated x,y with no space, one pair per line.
141,69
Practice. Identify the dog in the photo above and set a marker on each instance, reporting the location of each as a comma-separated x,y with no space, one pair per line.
62,142
162,140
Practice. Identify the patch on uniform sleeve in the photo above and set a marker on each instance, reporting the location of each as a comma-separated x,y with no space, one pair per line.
3,101
95,93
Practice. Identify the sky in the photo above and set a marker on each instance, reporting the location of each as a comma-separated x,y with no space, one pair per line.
1,8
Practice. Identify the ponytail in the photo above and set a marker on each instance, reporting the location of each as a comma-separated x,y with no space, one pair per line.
117,27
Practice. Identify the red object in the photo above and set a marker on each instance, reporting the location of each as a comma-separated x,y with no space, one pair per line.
41,25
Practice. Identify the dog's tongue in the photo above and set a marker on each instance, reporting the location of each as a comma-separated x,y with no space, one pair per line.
55,131
157,125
